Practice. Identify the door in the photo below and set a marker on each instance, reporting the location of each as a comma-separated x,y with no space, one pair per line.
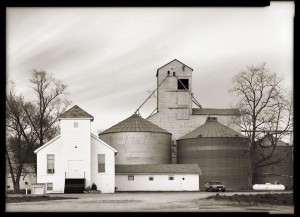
76,169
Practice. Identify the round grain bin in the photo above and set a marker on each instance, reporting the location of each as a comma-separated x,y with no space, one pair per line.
282,171
139,141
221,153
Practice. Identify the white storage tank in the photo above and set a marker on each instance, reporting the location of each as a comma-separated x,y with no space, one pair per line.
139,141
269,186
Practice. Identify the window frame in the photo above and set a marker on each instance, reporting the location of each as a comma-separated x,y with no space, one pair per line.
130,177
180,86
50,183
101,165
171,177
49,168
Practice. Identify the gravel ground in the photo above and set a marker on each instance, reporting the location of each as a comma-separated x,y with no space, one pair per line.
146,202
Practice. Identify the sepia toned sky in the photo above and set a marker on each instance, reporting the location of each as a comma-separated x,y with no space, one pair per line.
108,57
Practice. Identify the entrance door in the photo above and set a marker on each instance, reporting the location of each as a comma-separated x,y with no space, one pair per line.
76,169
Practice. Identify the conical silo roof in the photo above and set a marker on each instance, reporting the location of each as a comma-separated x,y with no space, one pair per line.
212,128
135,123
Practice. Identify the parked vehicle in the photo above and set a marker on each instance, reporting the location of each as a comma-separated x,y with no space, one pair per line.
214,186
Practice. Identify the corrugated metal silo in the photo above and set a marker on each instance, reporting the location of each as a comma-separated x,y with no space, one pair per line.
220,152
139,141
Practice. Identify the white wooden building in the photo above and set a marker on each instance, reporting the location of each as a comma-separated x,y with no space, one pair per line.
157,177
76,158
27,178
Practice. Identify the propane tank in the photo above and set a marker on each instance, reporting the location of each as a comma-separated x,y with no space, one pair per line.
269,186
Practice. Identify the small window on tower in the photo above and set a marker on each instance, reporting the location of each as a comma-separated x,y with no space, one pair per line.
171,177
131,177
76,124
183,84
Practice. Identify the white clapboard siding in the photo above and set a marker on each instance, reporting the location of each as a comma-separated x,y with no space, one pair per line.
58,178
76,146
160,182
105,181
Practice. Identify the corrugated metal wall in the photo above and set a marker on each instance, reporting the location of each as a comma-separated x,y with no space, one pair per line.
140,147
220,159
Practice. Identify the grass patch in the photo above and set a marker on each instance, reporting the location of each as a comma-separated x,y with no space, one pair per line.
34,199
271,199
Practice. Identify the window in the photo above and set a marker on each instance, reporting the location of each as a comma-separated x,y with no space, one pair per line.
151,178
49,186
183,83
50,163
171,177
75,124
101,163
131,177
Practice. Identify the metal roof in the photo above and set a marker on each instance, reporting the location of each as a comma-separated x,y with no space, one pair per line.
169,63
212,128
135,123
157,168
267,142
76,112
215,111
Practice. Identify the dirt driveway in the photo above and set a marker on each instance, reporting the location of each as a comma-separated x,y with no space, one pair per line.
145,202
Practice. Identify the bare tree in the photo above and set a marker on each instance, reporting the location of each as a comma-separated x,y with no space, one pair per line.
49,105
31,124
19,139
266,113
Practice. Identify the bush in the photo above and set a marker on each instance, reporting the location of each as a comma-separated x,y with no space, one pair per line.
94,187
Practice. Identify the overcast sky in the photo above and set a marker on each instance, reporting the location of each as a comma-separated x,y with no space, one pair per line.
108,57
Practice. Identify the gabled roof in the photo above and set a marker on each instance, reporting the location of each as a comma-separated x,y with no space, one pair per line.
212,129
169,63
55,138
46,144
157,168
135,123
104,143
215,111
76,112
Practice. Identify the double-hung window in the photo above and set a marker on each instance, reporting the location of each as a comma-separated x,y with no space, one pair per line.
50,163
101,163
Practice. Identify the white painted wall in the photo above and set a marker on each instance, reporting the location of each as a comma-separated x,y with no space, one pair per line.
160,183
58,178
73,144
105,181
76,145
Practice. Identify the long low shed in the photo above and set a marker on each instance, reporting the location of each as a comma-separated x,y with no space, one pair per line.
157,177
